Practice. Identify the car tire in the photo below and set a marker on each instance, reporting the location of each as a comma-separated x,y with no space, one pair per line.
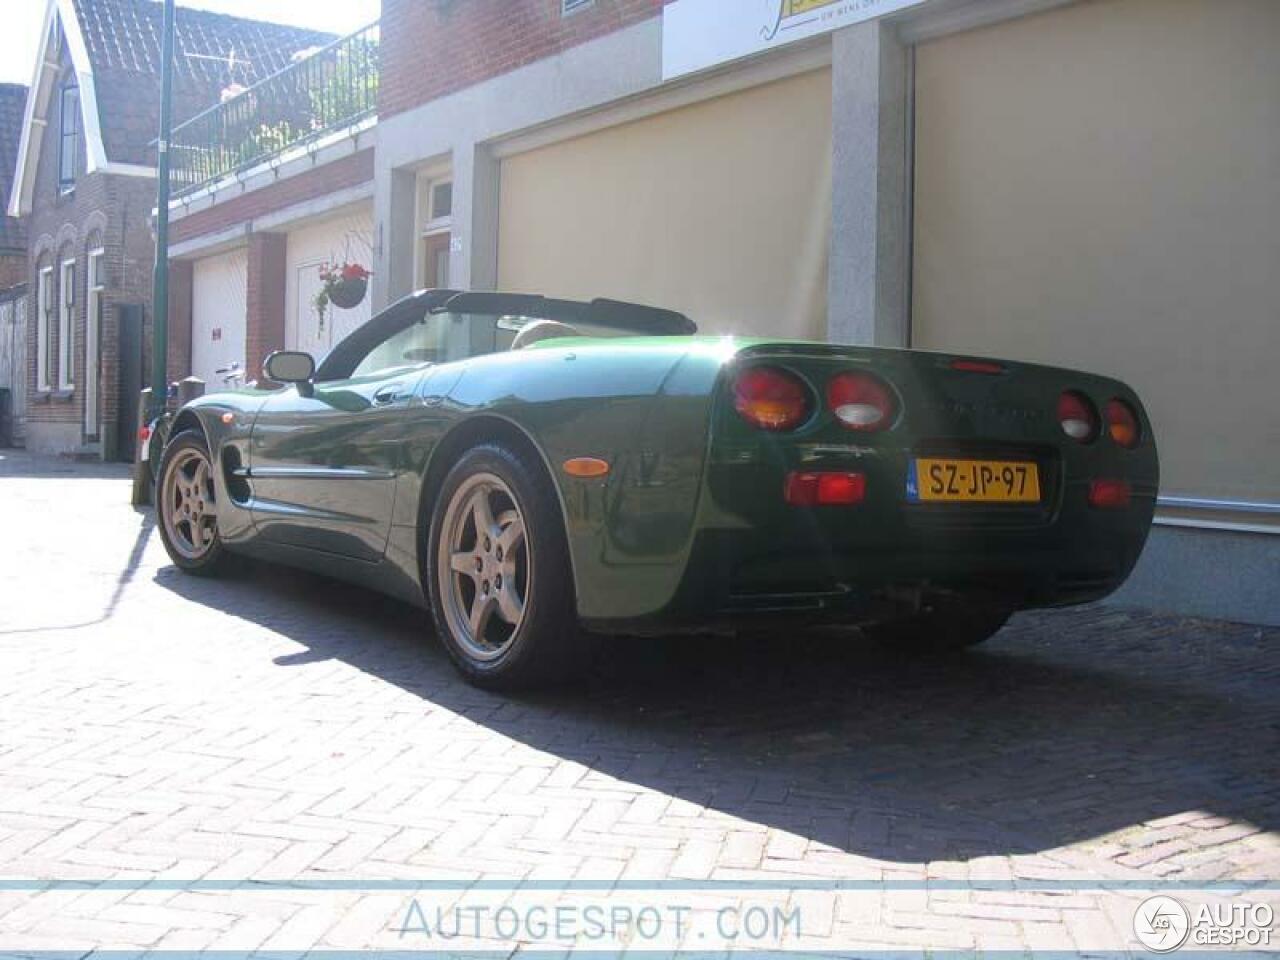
945,629
499,574
186,498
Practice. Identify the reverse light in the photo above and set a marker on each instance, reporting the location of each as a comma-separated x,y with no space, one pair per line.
1122,424
1109,494
771,398
1078,416
861,401
811,489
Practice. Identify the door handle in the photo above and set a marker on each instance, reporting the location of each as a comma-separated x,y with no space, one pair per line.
388,394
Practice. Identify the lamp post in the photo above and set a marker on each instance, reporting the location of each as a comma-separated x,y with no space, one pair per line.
155,397
160,278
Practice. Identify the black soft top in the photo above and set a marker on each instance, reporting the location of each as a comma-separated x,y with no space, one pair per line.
617,314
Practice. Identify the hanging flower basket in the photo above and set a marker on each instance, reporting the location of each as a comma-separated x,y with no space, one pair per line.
342,284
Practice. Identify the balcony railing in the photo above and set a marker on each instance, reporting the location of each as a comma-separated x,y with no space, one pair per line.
332,89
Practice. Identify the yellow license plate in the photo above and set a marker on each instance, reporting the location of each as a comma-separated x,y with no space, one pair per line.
943,480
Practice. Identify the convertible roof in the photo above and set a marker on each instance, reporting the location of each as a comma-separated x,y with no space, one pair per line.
599,312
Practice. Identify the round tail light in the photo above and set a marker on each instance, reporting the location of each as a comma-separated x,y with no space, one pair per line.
1122,424
1078,416
861,401
770,398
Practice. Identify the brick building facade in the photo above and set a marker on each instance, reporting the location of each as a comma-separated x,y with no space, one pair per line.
13,234
85,184
433,49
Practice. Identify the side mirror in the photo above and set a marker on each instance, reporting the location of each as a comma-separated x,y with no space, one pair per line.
289,366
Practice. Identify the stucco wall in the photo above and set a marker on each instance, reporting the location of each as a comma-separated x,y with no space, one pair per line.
1099,186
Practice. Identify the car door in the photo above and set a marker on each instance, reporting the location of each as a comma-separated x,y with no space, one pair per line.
324,459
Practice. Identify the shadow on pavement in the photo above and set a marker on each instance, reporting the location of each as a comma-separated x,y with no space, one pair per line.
1067,725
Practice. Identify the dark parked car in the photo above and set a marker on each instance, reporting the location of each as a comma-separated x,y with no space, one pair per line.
527,467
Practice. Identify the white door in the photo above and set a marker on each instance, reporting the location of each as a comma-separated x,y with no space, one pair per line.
344,237
219,307
311,330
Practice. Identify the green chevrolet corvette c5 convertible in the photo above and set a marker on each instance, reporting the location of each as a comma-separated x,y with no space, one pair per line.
534,469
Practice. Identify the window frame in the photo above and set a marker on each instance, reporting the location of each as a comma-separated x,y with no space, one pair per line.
44,294
429,224
95,285
68,132
569,7
66,324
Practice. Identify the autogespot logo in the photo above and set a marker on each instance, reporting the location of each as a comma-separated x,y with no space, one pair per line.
1161,924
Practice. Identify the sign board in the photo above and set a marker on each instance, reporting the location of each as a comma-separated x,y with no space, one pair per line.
697,34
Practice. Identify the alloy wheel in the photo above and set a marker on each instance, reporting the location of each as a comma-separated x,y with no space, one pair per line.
188,505
484,566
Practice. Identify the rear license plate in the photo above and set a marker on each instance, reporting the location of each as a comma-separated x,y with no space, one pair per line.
942,480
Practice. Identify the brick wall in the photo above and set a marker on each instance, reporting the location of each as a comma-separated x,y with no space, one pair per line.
336,175
107,211
265,300
181,273
13,269
433,48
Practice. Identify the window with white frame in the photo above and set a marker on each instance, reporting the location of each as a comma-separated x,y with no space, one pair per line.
44,329
573,6
66,325
435,228
69,138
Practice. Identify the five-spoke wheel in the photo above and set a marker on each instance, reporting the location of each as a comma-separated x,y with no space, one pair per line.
484,559
500,580
187,502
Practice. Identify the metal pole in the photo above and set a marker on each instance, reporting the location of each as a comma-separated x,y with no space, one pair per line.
160,279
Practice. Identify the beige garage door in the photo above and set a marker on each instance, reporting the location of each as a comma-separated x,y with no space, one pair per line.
720,210
1099,186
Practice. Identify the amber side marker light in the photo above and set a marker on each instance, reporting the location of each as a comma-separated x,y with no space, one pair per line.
228,418
586,468
806,489
1109,494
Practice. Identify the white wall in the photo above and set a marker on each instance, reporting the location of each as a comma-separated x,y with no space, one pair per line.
218,310
345,236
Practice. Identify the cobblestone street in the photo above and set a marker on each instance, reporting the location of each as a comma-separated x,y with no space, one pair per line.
277,726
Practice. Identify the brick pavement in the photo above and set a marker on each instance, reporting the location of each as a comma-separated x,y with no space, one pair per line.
277,726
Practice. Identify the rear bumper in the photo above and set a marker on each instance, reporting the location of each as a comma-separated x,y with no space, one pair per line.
756,556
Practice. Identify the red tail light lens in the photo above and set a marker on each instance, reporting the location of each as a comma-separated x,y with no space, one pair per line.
861,401
824,489
1122,424
771,399
1078,417
1109,494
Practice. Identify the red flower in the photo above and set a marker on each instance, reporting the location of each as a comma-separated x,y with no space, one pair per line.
354,271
